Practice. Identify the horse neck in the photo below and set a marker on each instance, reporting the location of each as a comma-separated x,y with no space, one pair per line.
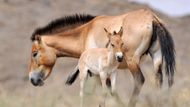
67,44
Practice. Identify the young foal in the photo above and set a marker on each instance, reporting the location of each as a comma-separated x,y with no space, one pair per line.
100,61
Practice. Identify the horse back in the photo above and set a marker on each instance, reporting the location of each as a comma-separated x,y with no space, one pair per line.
137,28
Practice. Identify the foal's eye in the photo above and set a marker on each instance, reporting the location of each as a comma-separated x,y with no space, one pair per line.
35,54
112,45
122,44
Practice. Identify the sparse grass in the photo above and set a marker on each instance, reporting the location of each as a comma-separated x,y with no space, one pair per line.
59,96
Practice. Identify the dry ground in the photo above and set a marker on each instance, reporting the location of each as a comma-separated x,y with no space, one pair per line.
18,19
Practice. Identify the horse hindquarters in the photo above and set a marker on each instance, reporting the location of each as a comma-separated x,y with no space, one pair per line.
156,55
162,48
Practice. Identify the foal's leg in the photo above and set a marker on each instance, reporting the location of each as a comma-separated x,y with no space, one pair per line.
157,60
138,80
82,76
103,77
113,90
113,82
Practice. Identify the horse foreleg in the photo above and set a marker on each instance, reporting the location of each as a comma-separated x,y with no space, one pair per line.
103,77
138,80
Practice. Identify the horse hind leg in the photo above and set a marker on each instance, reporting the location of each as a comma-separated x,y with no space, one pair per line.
159,76
158,62
138,80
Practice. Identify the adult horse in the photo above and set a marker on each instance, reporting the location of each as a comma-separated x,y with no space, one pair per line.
143,33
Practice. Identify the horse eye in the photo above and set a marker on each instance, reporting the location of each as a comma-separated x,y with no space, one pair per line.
112,45
35,54
122,44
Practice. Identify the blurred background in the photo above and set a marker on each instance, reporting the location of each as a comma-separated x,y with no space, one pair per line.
18,19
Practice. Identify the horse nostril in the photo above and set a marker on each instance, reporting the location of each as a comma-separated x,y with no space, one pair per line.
38,81
120,58
33,82
36,78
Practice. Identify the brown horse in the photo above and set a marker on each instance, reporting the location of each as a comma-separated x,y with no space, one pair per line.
143,33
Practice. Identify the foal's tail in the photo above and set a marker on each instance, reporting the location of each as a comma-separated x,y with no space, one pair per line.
167,48
72,77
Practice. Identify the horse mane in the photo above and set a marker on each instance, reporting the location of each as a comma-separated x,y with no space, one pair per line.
62,24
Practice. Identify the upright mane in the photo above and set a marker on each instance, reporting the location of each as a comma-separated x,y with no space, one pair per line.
62,24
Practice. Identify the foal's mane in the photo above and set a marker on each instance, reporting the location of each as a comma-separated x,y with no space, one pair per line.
62,24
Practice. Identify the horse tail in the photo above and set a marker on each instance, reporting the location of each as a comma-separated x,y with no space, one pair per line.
72,77
165,40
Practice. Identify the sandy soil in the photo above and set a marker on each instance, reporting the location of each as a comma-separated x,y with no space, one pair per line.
18,19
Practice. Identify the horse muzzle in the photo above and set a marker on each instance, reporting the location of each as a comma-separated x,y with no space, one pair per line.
36,78
120,59
119,56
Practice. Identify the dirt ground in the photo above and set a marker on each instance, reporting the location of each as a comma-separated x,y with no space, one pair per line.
18,19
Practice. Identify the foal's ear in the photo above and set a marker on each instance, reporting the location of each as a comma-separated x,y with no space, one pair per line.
120,31
38,38
108,33
106,30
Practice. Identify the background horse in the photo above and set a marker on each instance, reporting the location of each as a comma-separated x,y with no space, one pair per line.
143,33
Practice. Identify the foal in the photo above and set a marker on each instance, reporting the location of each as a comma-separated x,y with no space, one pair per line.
102,62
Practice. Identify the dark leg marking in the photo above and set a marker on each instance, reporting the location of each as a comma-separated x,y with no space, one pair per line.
159,76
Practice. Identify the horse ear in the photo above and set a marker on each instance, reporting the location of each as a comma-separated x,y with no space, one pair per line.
108,34
121,31
106,30
38,38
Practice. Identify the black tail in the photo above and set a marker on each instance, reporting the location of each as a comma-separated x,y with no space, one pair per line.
72,77
167,49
